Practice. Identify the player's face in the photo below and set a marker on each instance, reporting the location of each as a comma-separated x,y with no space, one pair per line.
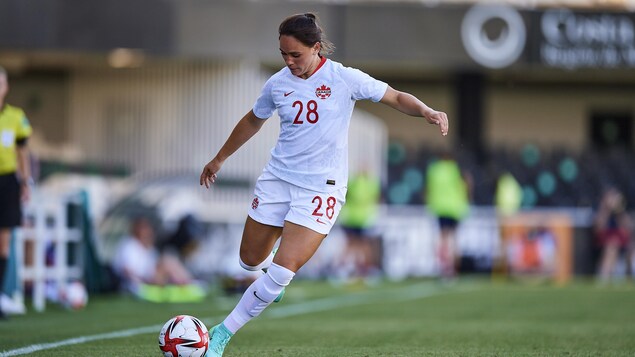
300,58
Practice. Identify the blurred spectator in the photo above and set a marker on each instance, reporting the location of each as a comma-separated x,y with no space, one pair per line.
184,239
509,195
612,228
139,265
533,252
358,218
507,199
15,173
447,197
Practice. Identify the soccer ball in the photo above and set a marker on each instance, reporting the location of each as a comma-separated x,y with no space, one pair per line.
74,296
182,336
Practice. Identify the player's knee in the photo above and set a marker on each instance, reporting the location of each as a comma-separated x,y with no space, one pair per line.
280,275
255,259
248,265
252,256
253,263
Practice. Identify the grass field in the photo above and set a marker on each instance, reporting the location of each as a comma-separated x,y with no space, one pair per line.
412,318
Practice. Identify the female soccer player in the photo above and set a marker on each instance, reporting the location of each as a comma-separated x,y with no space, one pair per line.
302,188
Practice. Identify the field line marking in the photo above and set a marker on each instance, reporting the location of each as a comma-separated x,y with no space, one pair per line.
79,340
412,292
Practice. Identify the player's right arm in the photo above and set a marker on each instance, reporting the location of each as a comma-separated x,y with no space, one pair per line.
247,127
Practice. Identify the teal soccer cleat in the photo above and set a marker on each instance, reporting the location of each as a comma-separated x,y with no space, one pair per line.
280,296
219,337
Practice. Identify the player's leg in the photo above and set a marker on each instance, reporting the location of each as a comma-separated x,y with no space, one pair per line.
310,218
3,265
256,246
10,216
303,230
354,251
610,255
447,253
447,250
452,256
5,239
297,246
258,242
264,223
255,250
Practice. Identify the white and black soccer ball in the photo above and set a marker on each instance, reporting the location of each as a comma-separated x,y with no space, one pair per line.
74,296
184,336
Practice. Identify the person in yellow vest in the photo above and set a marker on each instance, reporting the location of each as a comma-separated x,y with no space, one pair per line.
15,174
508,200
447,197
508,197
358,218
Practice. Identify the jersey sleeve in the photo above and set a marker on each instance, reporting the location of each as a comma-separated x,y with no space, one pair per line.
363,86
264,106
24,128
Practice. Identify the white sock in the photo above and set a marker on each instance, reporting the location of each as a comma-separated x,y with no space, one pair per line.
264,265
258,296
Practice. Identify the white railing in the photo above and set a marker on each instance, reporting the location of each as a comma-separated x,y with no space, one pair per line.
48,252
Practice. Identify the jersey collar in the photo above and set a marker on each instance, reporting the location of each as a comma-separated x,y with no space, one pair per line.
322,62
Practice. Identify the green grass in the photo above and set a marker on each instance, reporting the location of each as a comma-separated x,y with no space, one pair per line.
412,318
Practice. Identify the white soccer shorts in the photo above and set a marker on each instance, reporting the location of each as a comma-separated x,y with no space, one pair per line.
276,201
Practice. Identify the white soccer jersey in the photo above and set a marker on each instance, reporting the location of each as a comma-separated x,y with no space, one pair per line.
312,149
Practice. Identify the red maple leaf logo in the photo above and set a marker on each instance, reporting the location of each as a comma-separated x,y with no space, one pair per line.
323,92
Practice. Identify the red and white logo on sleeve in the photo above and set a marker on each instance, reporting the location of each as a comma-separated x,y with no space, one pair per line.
254,203
323,92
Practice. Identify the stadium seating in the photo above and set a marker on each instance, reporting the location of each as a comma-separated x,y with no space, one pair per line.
555,177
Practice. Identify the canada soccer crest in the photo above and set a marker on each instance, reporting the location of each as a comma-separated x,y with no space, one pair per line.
323,92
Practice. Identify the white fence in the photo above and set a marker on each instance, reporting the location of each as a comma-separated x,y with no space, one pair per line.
48,252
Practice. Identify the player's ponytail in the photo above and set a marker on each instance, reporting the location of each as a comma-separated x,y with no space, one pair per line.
306,29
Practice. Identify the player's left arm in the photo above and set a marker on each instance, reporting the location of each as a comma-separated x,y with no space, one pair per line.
409,104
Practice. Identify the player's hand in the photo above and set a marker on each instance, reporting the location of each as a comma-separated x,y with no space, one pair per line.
440,119
208,176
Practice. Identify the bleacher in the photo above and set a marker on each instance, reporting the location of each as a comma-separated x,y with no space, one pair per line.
549,177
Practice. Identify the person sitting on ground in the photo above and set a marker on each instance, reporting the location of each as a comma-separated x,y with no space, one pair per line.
140,267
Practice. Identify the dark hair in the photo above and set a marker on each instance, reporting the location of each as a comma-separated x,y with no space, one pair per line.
305,28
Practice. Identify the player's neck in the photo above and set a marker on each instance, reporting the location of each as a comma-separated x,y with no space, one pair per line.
318,63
